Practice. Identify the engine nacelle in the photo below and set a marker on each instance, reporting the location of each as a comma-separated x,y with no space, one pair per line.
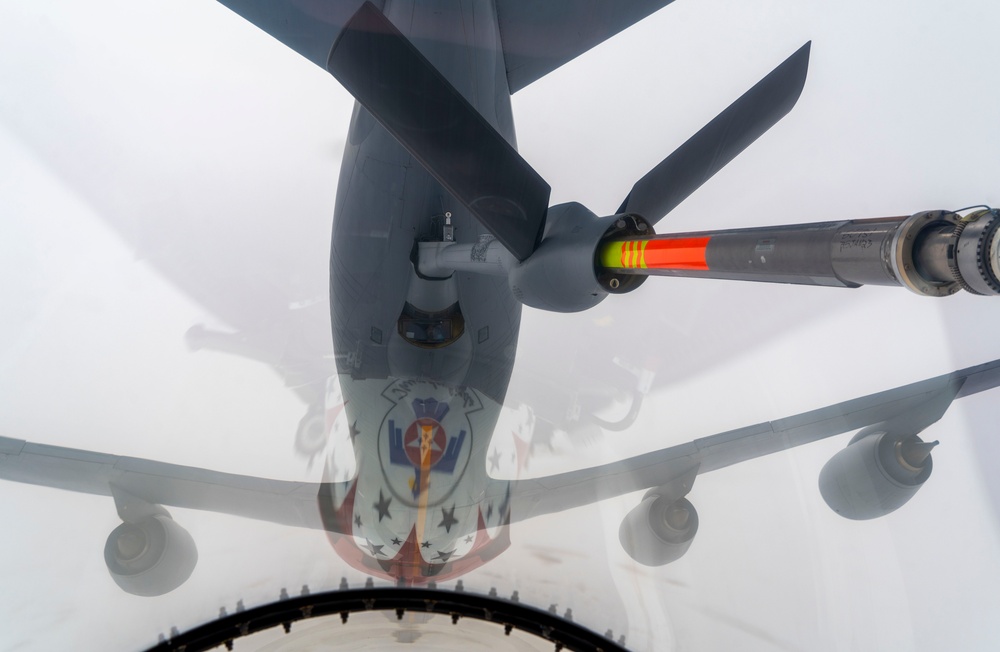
311,435
659,530
150,557
876,474
562,275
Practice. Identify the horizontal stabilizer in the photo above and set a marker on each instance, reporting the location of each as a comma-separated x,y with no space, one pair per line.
539,36
914,407
309,28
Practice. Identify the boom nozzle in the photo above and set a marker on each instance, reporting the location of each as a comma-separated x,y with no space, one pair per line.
933,253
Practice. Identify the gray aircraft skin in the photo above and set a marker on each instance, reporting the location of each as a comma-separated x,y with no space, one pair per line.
441,232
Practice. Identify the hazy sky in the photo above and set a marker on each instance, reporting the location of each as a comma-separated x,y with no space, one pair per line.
159,113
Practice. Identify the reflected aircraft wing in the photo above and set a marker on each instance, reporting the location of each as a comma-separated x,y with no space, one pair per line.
294,503
191,207
159,483
914,406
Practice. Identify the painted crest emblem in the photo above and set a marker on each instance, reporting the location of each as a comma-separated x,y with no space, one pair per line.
425,442
425,436
425,445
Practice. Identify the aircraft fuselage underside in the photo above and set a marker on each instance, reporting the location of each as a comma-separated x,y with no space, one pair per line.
387,202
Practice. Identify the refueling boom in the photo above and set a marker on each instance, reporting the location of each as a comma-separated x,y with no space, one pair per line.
934,253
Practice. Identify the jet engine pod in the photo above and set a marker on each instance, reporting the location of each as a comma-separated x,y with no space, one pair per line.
562,274
659,530
876,474
150,557
311,435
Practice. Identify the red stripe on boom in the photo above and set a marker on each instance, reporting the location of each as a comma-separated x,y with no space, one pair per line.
676,253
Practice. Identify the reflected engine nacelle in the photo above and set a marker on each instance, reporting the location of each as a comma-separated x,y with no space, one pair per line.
659,530
311,435
876,474
150,557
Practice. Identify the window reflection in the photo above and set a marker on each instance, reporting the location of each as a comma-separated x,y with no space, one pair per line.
431,330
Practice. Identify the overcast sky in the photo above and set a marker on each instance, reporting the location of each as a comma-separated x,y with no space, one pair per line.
155,113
